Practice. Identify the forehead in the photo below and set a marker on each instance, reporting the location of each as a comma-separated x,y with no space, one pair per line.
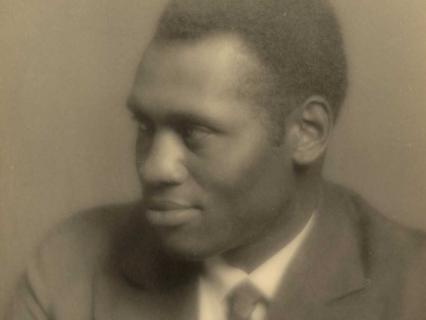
219,65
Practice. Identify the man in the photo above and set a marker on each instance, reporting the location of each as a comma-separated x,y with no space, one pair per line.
235,102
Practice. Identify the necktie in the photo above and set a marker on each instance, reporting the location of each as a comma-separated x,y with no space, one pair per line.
242,301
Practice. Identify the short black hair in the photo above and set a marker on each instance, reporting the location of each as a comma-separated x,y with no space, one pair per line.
298,41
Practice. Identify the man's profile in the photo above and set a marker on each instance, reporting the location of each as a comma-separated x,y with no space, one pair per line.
234,102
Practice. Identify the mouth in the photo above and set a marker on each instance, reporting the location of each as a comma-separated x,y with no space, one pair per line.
170,214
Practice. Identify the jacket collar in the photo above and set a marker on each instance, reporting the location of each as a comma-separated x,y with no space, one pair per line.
329,265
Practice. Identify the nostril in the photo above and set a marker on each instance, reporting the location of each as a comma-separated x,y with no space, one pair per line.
161,174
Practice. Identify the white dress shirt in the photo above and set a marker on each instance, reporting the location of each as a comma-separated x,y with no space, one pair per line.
220,278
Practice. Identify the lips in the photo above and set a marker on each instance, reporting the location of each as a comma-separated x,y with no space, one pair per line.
166,205
170,213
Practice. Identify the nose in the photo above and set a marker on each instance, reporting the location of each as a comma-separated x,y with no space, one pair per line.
163,162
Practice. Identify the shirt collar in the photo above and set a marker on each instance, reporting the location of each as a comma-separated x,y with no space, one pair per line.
266,278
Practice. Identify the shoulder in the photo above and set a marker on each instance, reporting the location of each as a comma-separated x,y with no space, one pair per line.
86,235
60,277
395,259
392,252
381,233
69,257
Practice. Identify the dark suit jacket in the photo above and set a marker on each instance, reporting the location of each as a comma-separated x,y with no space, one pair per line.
355,264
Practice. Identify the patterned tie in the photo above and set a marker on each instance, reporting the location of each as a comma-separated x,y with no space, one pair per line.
242,301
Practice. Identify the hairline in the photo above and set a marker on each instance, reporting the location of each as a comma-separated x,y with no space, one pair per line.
263,98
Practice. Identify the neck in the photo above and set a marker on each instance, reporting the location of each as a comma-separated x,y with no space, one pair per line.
281,231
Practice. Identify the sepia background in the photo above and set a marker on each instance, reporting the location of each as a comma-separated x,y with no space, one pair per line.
66,141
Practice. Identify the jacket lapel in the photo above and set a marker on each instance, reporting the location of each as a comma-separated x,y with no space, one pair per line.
328,272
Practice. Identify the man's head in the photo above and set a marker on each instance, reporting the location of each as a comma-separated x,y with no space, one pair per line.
298,43
213,180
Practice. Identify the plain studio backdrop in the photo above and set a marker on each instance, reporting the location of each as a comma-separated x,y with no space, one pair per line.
66,140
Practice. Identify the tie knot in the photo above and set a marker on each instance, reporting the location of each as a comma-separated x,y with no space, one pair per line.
242,301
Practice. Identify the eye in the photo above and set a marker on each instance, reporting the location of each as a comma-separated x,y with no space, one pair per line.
144,126
194,135
145,134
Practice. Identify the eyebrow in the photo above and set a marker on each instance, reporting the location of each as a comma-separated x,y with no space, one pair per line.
174,118
136,112
132,105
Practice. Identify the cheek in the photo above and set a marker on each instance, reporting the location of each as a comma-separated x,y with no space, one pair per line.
232,160
243,175
242,200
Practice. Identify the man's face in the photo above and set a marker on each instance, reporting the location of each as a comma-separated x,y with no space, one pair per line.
212,178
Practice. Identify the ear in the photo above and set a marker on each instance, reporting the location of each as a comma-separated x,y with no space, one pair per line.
311,127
